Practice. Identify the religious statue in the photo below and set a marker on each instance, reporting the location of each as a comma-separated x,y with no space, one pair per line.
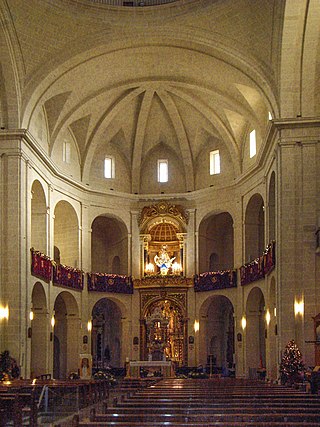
163,260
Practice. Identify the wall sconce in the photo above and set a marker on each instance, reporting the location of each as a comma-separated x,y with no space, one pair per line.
196,326
4,312
53,321
268,317
275,311
89,325
299,307
31,315
243,322
149,268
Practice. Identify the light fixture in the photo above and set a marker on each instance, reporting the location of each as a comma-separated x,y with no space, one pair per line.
298,307
89,325
275,311
31,315
243,322
149,268
196,326
4,312
53,321
176,268
268,317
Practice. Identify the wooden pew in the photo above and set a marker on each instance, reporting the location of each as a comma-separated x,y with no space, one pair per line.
220,403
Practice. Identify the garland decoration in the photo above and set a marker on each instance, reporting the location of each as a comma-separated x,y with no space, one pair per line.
41,265
103,282
259,267
215,280
68,276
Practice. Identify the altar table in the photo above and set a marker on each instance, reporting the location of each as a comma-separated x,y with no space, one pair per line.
166,368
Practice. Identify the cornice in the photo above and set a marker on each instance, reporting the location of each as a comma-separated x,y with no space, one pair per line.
264,155
297,122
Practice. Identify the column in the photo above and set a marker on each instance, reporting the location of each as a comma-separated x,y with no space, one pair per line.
135,245
14,255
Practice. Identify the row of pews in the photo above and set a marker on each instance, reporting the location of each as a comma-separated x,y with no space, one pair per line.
20,400
213,402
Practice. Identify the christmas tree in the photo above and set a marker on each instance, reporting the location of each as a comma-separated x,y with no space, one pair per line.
292,366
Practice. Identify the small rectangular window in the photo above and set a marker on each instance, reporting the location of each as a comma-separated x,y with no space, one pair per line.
66,152
163,170
214,162
109,167
253,144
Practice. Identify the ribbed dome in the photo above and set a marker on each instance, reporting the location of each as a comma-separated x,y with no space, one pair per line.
163,232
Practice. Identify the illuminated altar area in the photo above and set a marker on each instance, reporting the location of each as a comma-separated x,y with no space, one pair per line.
162,236
163,287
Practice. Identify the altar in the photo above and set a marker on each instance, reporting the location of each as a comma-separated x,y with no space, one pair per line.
164,367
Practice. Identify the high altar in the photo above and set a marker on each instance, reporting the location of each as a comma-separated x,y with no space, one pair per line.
164,368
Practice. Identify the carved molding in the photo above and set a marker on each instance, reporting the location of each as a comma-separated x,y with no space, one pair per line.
163,282
163,209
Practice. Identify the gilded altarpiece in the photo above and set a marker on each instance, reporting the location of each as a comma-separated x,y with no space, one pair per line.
163,288
164,325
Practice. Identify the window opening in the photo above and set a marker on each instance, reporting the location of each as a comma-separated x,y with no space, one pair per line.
163,170
214,162
253,144
66,152
109,167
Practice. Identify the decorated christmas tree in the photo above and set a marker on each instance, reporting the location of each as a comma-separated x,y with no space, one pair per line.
292,366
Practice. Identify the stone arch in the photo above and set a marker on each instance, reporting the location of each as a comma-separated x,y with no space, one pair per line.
177,181
255,332
66,233
107,334
38,217
66,339
254,228
39,331
109,241
216,334
216,236
272,208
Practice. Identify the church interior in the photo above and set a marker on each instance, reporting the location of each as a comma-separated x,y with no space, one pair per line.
160,181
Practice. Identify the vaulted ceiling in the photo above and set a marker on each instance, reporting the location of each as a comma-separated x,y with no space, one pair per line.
184,76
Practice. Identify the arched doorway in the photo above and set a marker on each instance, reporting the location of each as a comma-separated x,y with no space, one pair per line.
216,243
39,328
217,335
254,228
109,246
255,332
66,234
106,334
66,339
164,332
38,218
316,320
